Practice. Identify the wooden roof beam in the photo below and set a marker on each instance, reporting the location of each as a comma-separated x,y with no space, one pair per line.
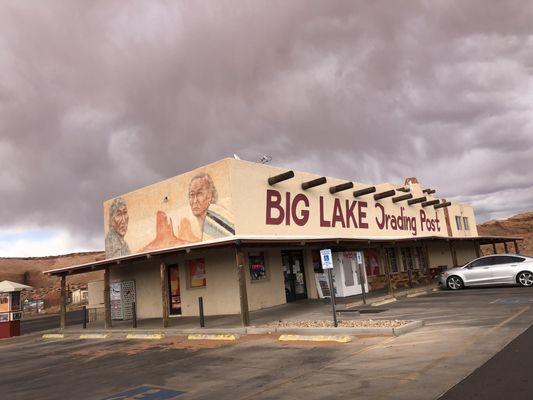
442,205
280,178
428,191
315,182
383,195
417,200
402,197
362,192
430,203
341,187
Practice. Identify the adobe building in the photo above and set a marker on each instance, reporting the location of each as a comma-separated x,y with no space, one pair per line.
246,236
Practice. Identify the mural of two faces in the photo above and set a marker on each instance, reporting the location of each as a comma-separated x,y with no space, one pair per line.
189,208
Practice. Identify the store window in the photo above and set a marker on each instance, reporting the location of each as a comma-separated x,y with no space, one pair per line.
257,265
465,223
391,255
197,275
407,258
458,222
372,262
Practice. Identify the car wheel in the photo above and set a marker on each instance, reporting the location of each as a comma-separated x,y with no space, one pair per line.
525,279
454,283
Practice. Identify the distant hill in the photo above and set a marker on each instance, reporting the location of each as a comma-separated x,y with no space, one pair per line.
29,270
520,225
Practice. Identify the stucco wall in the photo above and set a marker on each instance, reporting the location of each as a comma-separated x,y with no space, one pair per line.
465,252
147,286
269,292
439,254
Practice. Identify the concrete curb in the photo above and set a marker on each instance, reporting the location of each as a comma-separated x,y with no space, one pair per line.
315,338
407,328
53,336
94,336
416,294
225,337
153,336
382,302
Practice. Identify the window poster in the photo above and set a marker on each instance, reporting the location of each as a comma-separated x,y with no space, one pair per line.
256,262
371,261
4,302
4,317
15,301
174,282
196,269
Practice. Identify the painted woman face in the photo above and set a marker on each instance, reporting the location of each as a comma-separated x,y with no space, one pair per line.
119,220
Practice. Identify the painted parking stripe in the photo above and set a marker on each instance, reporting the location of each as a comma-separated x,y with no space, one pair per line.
146,392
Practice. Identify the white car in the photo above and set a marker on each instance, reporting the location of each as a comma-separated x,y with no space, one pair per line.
490,270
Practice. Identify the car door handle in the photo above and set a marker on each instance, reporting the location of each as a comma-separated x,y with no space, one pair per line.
485,267
514,265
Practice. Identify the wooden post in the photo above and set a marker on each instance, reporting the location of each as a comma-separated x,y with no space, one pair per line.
453,253
386,262
107,299
494,248
164,293
477,248
515,246
243,294
63,305
505,247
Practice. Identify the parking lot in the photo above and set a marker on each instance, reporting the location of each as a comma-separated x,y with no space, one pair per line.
462,331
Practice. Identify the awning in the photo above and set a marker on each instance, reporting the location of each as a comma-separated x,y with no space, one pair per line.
8,286
271,240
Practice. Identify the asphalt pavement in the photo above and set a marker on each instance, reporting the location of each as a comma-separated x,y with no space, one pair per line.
51,321
471,339
507,375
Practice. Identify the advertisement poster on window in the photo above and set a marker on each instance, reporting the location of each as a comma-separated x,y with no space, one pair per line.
15,301
175,297
197,272
371,261
257,266
4,302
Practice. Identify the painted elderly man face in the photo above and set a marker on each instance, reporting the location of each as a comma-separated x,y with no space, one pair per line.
200,196
119,220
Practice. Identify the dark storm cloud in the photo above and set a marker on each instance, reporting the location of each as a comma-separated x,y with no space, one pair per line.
99,98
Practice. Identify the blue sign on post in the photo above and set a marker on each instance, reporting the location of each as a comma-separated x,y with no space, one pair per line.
146,392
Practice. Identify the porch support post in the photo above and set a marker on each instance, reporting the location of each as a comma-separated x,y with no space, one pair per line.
505,247
164,293
63,304
243,294
388,271
494,248
107,299
515,246
453,253
477,248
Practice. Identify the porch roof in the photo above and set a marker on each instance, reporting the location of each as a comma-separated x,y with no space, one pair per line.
265,239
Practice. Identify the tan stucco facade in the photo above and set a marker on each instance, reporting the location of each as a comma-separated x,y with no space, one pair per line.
233,199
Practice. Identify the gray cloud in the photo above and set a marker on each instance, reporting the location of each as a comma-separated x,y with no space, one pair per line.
99,98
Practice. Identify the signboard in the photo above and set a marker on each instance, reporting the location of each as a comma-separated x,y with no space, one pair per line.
359,257
326,258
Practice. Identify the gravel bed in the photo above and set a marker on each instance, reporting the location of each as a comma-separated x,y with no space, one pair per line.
359,323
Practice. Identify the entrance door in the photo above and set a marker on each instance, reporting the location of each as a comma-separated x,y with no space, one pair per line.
174,289
293,270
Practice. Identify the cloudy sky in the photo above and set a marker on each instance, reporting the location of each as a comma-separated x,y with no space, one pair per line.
98,98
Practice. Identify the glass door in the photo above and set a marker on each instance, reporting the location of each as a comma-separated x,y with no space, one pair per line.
294,273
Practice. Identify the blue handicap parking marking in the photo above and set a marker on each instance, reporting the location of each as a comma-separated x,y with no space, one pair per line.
514,300
146,392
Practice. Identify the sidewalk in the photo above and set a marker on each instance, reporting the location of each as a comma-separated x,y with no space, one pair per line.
303,310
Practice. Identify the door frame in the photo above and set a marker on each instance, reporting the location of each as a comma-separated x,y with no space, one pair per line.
292,254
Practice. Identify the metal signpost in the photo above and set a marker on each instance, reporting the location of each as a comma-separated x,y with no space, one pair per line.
327,263
359,259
